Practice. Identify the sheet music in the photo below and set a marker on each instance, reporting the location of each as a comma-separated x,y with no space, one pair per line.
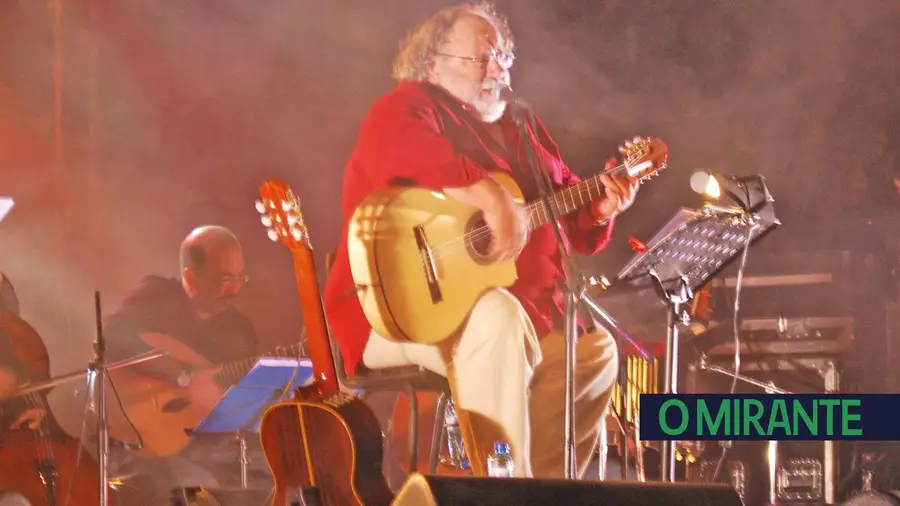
694,244
266,383
683,216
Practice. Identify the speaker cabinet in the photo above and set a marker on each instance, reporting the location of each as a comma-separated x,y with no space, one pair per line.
13,499
199,496
420,490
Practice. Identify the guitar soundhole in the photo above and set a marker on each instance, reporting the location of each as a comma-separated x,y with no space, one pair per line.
175,405
478,239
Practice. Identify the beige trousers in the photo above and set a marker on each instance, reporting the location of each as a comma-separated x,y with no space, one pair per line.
509,387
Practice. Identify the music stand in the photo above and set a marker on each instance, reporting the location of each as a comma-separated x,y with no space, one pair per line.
240,410
690,250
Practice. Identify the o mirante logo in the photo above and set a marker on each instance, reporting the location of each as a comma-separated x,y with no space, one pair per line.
804,417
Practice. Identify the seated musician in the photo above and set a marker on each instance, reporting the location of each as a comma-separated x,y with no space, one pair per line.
443,128
195,311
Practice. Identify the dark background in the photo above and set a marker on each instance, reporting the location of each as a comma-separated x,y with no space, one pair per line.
125,123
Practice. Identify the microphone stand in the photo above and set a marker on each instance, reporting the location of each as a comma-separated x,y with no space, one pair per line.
97,371
575,288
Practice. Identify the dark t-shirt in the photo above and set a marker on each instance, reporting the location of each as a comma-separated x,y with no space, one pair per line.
160,305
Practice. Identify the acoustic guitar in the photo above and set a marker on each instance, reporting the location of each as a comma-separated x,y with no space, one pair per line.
43,464
420,259
156,417
324,447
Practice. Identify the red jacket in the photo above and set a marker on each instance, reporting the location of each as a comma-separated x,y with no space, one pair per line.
415,134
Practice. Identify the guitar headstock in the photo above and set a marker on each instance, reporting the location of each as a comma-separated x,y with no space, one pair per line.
644,157
280,210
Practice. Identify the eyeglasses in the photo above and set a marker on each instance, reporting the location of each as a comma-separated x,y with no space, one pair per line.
228,279
505,60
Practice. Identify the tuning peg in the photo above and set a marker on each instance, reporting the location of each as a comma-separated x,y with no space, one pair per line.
297,233
638,139
266,220
260,207
621,149
628,144
272,235
286,205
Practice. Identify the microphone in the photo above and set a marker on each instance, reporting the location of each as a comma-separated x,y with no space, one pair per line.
504,92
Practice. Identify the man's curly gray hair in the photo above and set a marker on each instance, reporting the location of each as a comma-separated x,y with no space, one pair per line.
411,63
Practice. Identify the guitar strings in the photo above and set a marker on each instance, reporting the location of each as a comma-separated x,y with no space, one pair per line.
483,231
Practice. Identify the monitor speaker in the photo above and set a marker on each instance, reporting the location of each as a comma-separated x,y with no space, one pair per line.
200,496
13,499
420,490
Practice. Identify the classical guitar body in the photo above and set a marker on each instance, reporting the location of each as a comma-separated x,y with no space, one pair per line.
421,278
160,412
328,451
164,413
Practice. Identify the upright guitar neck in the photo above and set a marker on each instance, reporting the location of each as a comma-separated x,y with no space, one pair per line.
314,320
281,215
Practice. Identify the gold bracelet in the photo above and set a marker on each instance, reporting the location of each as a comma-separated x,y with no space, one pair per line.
605,220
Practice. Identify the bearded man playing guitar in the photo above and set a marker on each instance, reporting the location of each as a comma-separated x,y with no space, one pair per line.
193,317
444,127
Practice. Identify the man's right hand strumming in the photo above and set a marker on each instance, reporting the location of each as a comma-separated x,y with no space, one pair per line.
507,220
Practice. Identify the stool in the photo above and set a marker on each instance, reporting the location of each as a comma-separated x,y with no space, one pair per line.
407,380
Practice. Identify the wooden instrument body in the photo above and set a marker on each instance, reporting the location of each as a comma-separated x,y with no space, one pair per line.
318,444
325,441
21,449
400,300
18,471
163,412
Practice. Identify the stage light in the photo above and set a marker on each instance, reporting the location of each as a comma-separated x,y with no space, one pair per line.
750,193
706,184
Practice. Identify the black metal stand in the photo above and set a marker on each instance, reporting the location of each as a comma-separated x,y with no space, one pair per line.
678,302
575,288
683,256
98,372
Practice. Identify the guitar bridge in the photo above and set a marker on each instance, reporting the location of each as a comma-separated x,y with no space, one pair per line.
427,259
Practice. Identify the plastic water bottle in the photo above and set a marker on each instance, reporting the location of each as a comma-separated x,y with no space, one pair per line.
500,463
455,448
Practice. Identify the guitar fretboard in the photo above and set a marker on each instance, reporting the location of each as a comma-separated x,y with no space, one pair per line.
231,373
569,199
